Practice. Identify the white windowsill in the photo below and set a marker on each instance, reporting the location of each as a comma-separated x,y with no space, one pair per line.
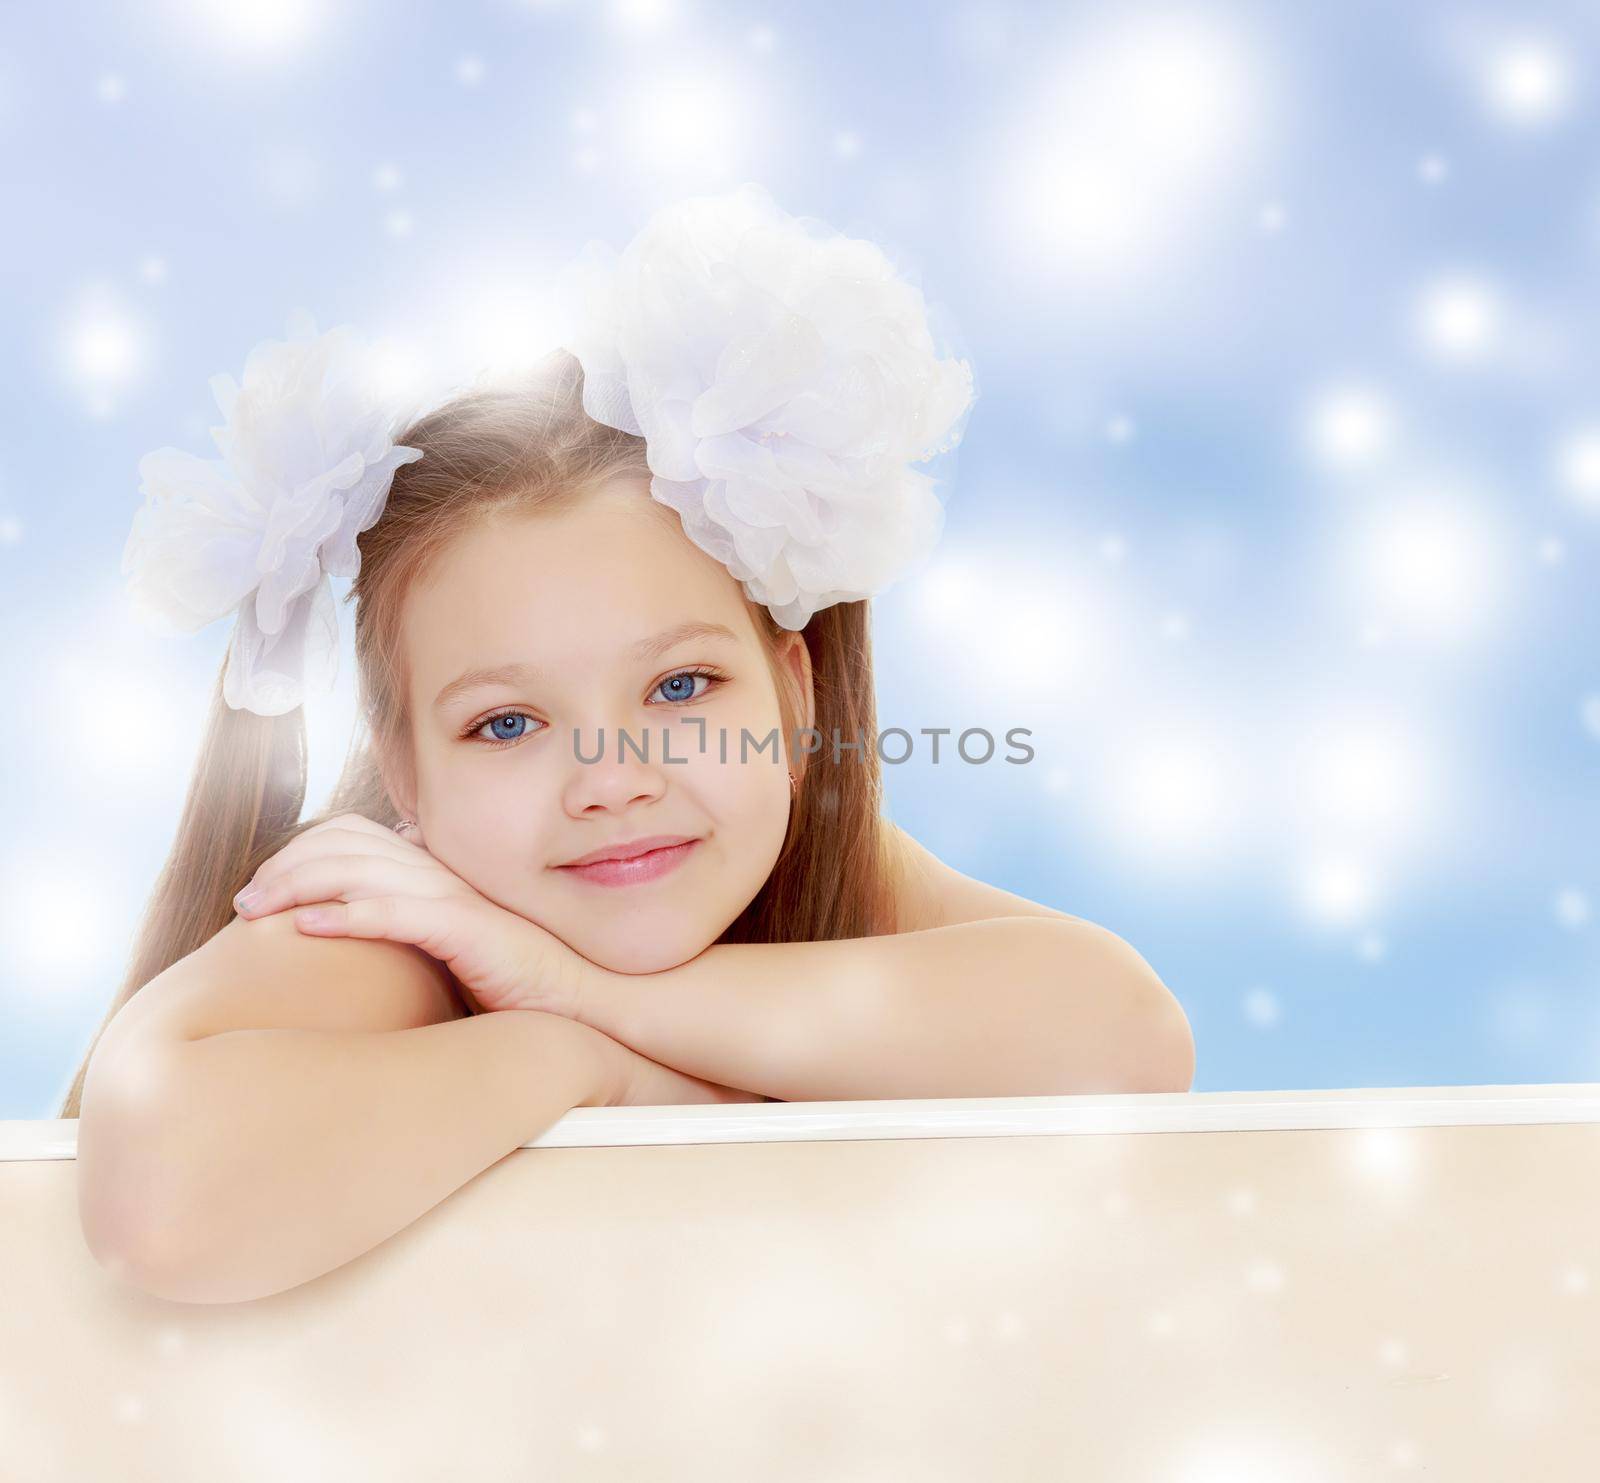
1002,1117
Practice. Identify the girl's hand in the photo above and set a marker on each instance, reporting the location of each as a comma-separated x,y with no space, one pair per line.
368,881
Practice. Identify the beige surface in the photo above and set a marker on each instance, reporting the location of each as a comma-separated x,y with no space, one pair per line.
1277,1306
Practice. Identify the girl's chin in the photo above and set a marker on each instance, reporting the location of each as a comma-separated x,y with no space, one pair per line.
651,957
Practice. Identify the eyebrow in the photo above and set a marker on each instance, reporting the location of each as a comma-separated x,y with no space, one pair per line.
506,674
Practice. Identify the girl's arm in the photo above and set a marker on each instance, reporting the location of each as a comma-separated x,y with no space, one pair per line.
275,1105
1003,1007
228,1168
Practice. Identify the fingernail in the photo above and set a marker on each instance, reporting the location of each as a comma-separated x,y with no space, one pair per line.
249,898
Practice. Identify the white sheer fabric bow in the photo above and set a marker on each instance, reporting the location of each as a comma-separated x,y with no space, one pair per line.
307,461
783,376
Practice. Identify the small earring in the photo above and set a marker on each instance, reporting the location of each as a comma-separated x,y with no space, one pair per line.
794,782
405,824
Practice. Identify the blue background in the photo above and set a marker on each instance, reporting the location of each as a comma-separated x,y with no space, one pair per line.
1276,520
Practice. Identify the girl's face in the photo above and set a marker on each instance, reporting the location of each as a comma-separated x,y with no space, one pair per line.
587,602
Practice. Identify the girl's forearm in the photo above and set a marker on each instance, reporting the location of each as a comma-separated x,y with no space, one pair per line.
1009,1006
231,1167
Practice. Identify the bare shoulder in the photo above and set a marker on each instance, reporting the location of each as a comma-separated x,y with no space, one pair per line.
264,973
930,893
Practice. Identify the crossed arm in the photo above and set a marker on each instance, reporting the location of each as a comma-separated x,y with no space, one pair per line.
1006,1006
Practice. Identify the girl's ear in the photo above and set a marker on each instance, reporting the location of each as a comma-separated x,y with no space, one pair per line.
796,661
399,784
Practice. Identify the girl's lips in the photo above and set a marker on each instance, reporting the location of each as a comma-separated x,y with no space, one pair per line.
645,867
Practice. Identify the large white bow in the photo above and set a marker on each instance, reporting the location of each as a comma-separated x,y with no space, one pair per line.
783,376
307,460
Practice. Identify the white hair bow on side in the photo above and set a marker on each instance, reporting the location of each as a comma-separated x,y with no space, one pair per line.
307,460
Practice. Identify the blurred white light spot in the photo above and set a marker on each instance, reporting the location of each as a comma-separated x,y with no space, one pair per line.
1175,627
399,223
101,347
1113,548
1458,318
1167,799
1575,1279
105,349
1552,550
1578,466
1265,1277
1241,1201
1403,1454
1039,638
111,88
1572,908
10,530
1351,426
398,371
1589,712
387,177
1273,218
1057,780
1429,563
694,120
1336,892
469,71
153,269
846,145
1528,82
505,324
1386,1155
1262,1009
761,39
586,159
948,592
1111,159
130,1409
1371,948
262,28
1392,1353
1432,169
1247,1453
1120,429
1365,775
642,17
81,693
49,938
584,120
590,1438
1161,1325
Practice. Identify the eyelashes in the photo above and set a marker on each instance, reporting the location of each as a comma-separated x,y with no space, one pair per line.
470,732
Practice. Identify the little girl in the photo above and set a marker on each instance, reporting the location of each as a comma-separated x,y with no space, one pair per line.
612,635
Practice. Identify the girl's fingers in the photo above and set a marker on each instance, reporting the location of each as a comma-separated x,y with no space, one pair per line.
499,958
434,924
324,878
348,833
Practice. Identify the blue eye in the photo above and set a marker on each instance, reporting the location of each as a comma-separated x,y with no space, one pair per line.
500,738
688,676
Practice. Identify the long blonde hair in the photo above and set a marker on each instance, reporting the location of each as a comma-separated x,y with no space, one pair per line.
521,446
